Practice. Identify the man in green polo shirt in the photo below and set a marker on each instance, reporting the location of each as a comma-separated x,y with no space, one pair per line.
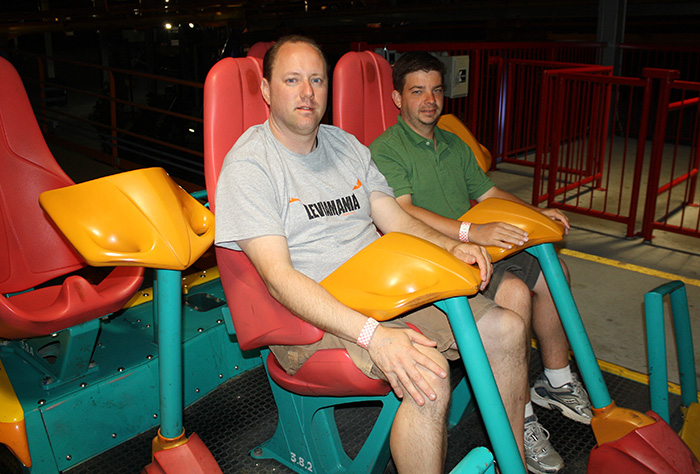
435,176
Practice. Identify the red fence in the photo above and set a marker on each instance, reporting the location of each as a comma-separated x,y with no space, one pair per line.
587,144
592,149
671,201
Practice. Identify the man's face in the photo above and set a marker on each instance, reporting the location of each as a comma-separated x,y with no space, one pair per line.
421,100
297,91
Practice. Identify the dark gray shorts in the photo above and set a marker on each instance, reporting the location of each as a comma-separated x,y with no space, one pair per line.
523,265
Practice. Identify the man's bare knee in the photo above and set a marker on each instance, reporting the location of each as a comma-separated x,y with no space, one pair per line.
441,385
514,294
503,327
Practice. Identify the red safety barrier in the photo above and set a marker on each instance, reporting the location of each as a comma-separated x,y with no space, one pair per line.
672,203
591,143
592,148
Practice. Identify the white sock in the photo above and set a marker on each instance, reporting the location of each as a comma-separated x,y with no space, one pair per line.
528,410
558,377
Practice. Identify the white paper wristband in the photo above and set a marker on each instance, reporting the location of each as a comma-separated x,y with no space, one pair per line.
367,332
464,231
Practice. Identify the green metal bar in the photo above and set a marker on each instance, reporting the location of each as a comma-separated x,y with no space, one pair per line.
483,383
656,346
656,354
169,351
478,461
571,320
684,345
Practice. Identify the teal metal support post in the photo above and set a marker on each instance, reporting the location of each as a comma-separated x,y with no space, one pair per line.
478,461
656,346
573,326
169,329
483,384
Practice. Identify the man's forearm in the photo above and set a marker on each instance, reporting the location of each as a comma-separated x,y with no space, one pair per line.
314,304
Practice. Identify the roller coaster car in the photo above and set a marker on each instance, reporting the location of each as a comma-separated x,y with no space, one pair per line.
306,437
627,440
167,230
68,346
41,292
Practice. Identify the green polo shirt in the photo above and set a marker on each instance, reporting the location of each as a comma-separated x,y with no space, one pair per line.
442,181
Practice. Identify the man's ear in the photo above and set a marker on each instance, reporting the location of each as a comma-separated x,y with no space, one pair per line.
265,90
396,97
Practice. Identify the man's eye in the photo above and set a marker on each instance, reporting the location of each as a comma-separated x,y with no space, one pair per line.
291,79
317,80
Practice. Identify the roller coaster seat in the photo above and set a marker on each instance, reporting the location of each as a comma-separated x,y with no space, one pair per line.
368,112
259,320
306,431
258,50
32,251
305,401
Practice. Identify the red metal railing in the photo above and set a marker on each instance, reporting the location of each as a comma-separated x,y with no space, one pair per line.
685,59
592,148
522,107
673,205
122,117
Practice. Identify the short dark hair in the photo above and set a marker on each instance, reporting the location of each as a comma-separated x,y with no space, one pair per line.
414,61
271,54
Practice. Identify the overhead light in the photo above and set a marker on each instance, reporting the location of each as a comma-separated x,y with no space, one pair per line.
168,26
191,25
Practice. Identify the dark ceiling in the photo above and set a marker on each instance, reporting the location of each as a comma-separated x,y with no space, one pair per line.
391,20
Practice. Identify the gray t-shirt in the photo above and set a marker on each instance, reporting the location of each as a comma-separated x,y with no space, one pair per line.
318,201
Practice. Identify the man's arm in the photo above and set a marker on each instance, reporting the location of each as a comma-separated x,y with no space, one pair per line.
497,230
500,234
391,349
389,216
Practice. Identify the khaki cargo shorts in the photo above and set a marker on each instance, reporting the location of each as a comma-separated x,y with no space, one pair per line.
432,322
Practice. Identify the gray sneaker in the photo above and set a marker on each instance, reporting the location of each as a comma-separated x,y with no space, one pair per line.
540,456
570,399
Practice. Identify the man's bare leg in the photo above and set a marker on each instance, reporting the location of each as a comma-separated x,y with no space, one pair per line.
419,433
506,342
554,345
513,294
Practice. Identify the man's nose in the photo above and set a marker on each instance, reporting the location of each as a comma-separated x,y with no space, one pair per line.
307,90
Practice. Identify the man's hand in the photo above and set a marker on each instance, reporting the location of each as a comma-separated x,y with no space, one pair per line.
471,254
498,234
557,215
507,236
393,351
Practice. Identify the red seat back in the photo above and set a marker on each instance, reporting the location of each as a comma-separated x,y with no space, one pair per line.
363,107
233,103
259,49
32,250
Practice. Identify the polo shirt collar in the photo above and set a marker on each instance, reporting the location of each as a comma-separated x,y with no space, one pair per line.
418,140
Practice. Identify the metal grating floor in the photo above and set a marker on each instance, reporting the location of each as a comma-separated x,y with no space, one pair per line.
241,414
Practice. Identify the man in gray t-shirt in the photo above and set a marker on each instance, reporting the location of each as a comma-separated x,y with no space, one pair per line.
300,199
